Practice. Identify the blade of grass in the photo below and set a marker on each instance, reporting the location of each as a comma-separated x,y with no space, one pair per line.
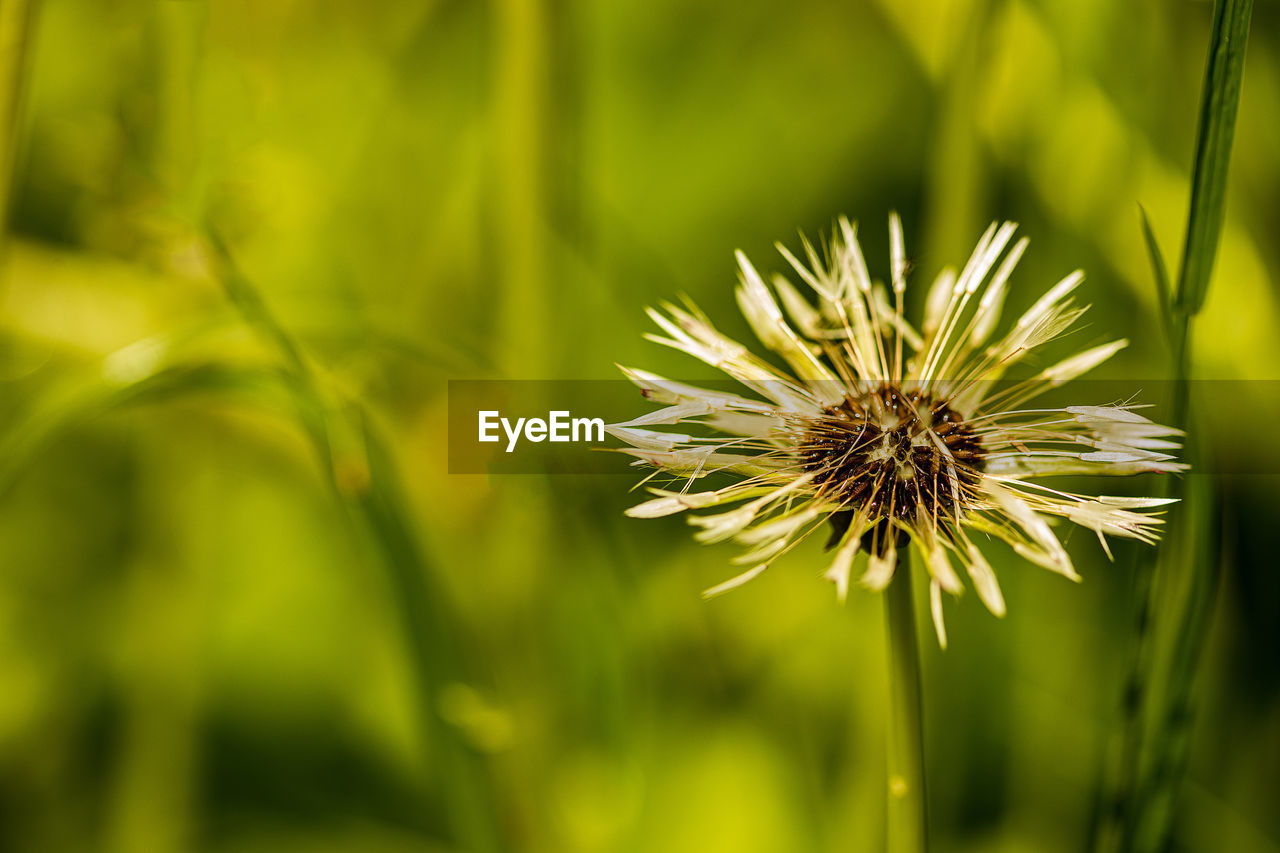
1160,273
363,476
1219,101
24,442
431,638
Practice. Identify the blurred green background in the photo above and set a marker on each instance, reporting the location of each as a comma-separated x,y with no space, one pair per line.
245,607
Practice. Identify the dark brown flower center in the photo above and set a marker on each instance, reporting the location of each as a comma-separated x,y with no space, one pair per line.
895,454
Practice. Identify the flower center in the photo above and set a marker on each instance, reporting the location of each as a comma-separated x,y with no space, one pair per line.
895,454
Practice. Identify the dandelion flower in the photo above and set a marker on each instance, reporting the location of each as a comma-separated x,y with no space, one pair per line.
888,435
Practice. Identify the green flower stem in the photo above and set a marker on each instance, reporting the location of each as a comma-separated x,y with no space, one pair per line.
907,828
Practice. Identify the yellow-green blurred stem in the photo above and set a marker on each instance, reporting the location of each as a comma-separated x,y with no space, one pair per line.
907,831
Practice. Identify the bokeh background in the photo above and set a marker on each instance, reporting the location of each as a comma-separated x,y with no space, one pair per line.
245,607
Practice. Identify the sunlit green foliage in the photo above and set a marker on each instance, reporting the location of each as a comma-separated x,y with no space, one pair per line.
243,605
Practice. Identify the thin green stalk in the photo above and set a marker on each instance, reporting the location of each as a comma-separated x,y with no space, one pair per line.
521,103
15,35
958,170
178,42
1143,795
1157,801
1116,791
907,826
1151,821
1121,790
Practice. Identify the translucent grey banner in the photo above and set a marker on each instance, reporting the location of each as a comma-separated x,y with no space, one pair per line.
557,427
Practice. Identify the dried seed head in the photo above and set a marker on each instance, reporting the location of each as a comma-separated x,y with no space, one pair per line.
892,435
